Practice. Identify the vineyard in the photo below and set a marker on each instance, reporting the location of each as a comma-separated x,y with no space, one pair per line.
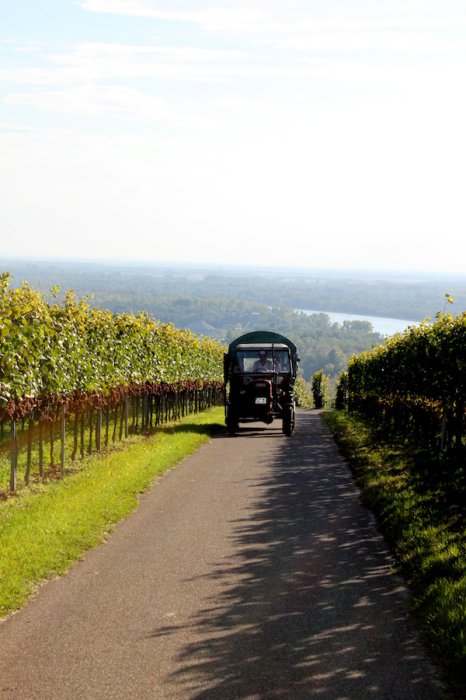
74,379
415,384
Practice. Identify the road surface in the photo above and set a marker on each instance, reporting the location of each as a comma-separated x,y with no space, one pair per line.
249,571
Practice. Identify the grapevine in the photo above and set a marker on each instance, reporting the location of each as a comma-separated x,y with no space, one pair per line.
416,382
111,373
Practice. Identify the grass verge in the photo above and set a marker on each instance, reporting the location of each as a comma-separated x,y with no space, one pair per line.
422,518
43,533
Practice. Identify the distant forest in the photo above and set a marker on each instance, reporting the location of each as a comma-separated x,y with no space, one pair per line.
223,303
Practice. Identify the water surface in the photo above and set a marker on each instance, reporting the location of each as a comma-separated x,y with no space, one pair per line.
385,326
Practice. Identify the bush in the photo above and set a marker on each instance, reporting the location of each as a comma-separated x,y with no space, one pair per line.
341,395
302,393
320,386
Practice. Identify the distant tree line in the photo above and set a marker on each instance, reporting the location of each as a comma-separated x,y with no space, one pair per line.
135,287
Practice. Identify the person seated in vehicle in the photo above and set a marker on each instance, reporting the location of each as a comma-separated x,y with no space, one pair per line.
263,364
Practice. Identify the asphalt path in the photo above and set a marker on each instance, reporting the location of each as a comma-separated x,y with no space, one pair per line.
249,571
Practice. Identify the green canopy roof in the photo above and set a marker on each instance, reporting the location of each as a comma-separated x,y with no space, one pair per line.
259,337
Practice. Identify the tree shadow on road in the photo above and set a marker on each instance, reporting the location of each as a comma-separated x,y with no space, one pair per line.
308,606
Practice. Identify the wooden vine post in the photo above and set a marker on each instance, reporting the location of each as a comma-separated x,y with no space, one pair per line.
13,455
41,448
98,433
62,437
126,413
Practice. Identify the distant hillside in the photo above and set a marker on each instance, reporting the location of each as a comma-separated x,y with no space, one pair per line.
134,287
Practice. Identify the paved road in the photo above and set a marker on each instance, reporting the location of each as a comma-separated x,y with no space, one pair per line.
250,571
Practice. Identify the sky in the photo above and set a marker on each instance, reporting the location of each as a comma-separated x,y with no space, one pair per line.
306,133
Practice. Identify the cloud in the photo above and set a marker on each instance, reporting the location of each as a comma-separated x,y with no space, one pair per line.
329,26
320,57
99,61
209,18
91,100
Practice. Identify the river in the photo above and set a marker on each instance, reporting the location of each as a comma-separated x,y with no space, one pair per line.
385,326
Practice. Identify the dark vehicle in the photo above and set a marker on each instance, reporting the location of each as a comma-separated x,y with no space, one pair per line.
260,371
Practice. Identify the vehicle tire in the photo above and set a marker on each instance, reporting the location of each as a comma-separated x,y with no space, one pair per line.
232,427
288,420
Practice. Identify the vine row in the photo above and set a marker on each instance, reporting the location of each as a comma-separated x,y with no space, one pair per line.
415,383
70,372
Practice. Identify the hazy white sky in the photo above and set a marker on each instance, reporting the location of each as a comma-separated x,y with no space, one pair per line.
315,133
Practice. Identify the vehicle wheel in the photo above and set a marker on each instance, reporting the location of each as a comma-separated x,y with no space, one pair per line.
232,427
288,420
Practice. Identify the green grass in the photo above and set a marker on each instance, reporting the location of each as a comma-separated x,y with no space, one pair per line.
51,462
43,533
420,509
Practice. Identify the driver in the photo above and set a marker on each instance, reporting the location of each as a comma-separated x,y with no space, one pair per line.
263,364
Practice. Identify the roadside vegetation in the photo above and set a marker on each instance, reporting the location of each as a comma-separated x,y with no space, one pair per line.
46,529
302,393
74,379
419,502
